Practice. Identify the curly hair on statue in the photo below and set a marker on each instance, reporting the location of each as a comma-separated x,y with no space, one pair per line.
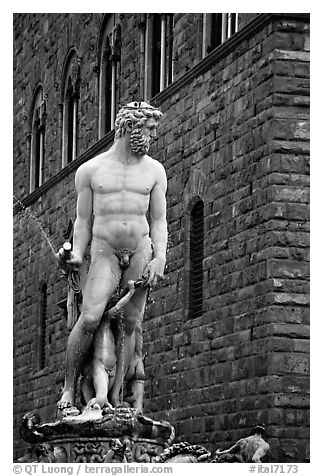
138,113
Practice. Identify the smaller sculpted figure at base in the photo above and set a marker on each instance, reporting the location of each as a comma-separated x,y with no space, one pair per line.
116,452
116,191
98,378
247,450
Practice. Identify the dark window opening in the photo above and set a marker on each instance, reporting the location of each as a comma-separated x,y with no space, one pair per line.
70,128
37,155
156,54
42,329
216,31
108,93
233,26
169,49
196,261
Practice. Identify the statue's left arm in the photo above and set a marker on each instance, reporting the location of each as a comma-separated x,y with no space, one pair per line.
158,226
233,449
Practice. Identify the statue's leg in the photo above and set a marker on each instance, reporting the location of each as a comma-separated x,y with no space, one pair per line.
100,382
135,377
137,384
87,387
103,279
133,316
103,362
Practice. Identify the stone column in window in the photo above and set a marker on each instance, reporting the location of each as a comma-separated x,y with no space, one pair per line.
224,27
204,34
229,24
113,92
163,53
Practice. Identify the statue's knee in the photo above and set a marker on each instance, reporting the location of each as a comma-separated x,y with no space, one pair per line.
90,321
140,371
110,363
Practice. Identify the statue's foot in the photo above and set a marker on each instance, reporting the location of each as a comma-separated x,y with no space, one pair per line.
92,411
124,404
66,409
115,401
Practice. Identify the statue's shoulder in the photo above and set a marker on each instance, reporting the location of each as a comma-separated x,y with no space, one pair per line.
154,164
157,171
93,164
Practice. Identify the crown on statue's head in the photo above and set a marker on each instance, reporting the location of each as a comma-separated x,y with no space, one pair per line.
137,105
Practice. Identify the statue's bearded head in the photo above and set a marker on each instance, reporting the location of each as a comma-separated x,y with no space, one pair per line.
139,119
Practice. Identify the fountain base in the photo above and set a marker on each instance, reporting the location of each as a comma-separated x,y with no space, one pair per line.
122,435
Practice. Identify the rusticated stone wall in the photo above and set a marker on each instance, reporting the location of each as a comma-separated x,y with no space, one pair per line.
236,134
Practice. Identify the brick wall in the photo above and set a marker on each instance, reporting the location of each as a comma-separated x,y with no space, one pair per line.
236,135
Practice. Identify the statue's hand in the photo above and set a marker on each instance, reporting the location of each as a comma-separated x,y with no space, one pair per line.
154,270
67,263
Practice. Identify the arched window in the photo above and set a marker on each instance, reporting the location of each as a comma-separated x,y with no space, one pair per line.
158,53
109,60
196,253
42,327
217,27
70,99
37,145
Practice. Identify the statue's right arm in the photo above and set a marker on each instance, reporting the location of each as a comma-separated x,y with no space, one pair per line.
84,208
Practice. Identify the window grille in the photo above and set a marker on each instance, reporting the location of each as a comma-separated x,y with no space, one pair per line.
196,260
42,330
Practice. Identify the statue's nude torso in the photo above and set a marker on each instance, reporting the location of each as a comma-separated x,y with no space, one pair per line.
121,194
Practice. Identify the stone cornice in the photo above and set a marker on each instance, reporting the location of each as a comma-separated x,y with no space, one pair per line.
204,65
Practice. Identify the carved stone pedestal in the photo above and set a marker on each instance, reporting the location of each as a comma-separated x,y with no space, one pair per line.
120,436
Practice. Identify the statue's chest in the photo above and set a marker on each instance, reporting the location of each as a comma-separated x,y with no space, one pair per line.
118,180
